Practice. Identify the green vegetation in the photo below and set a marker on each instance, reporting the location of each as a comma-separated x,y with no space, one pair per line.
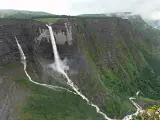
20,14
93,15
148,83
149,113
123,75
46,104
122,65
48,19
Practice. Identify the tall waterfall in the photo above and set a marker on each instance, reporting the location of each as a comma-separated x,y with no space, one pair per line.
60,66
56,56
23,60
69,81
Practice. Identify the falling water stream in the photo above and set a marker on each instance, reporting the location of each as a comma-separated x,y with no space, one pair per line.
60,67
69,81
23,60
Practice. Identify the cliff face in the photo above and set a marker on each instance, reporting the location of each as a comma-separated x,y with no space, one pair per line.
110,60
24,30
122,54
12,95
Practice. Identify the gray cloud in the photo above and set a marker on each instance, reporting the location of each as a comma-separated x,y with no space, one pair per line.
144,7
147,8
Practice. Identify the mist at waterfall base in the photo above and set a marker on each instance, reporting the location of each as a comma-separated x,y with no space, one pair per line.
61,67
23,61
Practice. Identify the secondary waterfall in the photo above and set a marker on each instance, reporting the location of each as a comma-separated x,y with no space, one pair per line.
23,60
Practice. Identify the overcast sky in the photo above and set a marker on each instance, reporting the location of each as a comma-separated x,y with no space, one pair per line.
147,8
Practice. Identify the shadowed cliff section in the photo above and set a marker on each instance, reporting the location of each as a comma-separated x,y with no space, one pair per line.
121,54
124,57
25,30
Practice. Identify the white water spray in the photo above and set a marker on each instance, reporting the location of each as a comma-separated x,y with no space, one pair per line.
23,60
56,56
60,68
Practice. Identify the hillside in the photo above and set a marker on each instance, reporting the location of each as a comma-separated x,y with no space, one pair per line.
93,15
116,14
109,59
124,55
8,13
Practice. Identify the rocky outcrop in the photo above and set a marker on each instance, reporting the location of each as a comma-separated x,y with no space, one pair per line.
152,113
24,30
12,99
12,95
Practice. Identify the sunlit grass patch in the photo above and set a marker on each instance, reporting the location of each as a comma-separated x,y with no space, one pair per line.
48,19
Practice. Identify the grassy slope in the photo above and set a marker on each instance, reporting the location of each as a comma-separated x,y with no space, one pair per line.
133,74
48,19
22,14
135,68
46,104
136,71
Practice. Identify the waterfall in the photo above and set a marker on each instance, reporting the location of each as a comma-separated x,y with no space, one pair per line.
56,56
23,60
60,69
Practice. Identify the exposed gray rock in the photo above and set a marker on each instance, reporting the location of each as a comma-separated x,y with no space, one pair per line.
12,99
